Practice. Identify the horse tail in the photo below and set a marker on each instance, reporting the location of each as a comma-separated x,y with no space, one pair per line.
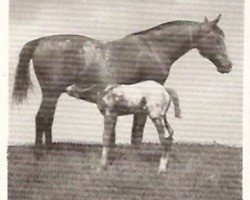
22,76
175,99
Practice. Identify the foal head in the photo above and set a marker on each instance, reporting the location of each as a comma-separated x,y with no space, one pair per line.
210,44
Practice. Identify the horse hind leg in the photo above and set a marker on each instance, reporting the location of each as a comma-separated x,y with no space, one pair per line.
44,119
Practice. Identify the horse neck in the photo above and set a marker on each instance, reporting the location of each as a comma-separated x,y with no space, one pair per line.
176,41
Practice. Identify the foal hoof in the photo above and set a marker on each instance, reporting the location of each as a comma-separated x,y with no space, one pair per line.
162,171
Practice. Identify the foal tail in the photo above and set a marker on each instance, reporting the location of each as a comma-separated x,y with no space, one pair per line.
22,76
175,99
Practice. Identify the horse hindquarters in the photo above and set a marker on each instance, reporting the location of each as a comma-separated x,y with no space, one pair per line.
52,84
55,67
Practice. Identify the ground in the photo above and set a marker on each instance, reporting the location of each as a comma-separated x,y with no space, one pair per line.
70,171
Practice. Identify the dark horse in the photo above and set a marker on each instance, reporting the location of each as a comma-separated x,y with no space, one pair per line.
63,60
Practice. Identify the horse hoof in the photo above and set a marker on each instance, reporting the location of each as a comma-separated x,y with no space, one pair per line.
38,152
136,146
49,147
136,143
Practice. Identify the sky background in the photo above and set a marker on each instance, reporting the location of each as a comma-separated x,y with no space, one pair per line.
211,102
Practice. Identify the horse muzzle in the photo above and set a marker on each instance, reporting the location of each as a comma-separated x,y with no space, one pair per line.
226,68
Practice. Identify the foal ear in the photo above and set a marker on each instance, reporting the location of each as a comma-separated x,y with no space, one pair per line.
214,22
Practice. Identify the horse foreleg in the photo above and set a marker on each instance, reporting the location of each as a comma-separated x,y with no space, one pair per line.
108,138
137,129
44,119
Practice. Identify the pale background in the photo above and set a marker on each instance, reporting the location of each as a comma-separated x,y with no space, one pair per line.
211,102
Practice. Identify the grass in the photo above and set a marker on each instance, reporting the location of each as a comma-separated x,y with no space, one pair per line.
69,171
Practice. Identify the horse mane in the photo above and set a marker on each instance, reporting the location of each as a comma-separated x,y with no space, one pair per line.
219,30
174,23
166,25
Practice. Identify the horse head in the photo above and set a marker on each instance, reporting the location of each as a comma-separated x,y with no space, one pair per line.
210,44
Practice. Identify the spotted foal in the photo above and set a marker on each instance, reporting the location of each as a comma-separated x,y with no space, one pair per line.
145,97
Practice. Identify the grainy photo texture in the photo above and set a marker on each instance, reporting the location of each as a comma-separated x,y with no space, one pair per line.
125,99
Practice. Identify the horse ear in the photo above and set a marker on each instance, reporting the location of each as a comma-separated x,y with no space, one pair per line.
214,22
206,20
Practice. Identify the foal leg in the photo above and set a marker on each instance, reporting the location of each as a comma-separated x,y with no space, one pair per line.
44,119
168,127
137,129
166,144
108,138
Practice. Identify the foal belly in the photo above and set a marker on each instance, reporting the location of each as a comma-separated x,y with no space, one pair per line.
128,110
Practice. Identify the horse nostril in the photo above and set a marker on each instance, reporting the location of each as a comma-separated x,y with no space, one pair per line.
230,65
229,68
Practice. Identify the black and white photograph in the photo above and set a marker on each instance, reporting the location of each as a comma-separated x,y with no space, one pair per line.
125,100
